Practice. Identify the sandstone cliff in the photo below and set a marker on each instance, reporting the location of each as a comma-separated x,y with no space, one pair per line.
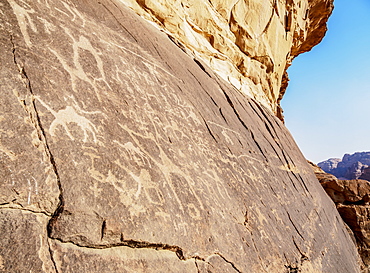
249,43
120,153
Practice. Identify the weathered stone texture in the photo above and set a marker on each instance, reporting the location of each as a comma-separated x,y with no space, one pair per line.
24,242
365,174
249,43
351,198
144,159
28,180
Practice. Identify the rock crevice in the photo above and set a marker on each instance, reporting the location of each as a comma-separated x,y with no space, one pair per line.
28,103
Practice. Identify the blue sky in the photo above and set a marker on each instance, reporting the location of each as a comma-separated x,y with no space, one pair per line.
327,103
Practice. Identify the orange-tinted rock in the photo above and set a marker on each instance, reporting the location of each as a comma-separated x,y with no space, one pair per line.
348,191
351,198
322,176
357,217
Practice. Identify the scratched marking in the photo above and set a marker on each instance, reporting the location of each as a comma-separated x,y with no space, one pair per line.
134,153
167,168
75,13
31,188
24,20
72,114
49,27
29,192
77,71
8,152
152,123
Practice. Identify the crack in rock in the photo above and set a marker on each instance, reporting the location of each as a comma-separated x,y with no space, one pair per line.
132,244
156,246
243,123
2,207
229,262
51,252
31,109
295,227
115,18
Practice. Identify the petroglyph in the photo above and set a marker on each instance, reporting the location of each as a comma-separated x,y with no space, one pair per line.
289,168
62,12
162,126
75,13
92,170
135,154
225,129
170,170
8,152
23,15
150,188
77,70
213,176
159,169
120,185
227,138
48,27
145,58
128,194
72,114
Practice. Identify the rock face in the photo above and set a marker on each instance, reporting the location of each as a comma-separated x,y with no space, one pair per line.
351,198
321,175
365,175
249,43
120,153
329,165
350,167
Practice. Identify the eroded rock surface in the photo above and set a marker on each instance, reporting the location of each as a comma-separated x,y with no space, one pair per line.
119,152
351,198
365,175
249,43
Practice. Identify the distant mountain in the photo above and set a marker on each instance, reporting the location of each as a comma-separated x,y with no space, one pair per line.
355,166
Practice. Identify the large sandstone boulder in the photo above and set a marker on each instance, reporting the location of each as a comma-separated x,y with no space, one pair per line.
121,153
